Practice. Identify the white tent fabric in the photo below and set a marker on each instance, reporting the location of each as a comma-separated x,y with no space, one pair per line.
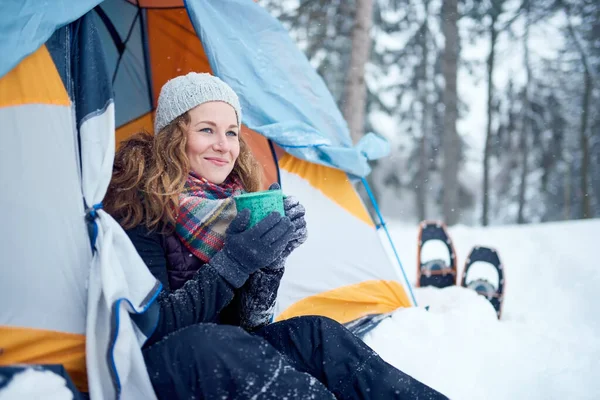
119,284
43,236
341,252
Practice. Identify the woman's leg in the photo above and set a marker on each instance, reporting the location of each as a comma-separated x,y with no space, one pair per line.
342,362
208,361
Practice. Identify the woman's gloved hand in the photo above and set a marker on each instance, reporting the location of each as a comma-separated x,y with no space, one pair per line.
248,249
295,212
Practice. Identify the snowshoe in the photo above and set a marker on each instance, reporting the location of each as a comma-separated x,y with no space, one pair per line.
436,258
491,287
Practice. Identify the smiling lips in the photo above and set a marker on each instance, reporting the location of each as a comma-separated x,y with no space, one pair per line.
217,161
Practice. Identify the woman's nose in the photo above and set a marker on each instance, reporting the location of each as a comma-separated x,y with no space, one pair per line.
221,144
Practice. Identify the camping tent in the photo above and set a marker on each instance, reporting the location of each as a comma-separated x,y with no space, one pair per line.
293,126
78,77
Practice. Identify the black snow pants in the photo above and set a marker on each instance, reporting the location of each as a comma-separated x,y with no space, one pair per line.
299,358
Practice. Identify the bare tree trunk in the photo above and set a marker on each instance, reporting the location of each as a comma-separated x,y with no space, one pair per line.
586,209
425,119
450,139
422,184
356,94
488,137
526,127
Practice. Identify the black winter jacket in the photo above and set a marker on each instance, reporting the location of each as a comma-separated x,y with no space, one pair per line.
194,292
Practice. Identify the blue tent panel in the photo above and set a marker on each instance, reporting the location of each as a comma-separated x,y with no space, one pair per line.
282,95
26,25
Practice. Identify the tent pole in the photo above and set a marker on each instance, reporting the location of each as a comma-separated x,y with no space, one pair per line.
384,226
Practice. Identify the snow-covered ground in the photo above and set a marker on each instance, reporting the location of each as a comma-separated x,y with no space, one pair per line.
36,384
547,344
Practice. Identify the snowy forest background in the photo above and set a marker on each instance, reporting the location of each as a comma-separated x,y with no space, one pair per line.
491,107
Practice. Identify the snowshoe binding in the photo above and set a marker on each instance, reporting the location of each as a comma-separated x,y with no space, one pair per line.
491,286
436,258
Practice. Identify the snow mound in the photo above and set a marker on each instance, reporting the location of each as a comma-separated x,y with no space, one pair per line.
545,346
33,384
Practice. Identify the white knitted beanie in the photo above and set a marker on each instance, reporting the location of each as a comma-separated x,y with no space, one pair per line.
185,92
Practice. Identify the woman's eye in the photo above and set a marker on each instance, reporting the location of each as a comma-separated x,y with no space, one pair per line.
207,130
232,133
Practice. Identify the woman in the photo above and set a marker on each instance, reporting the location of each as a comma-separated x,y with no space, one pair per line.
173,195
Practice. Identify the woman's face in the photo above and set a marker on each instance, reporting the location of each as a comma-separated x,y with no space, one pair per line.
213,143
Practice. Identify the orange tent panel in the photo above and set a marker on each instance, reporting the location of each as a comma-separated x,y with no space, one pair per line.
174,47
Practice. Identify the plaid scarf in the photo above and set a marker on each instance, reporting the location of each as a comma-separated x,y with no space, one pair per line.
205,212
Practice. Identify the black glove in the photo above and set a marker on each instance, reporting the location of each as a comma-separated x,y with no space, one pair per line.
295,212
247,250
257,298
